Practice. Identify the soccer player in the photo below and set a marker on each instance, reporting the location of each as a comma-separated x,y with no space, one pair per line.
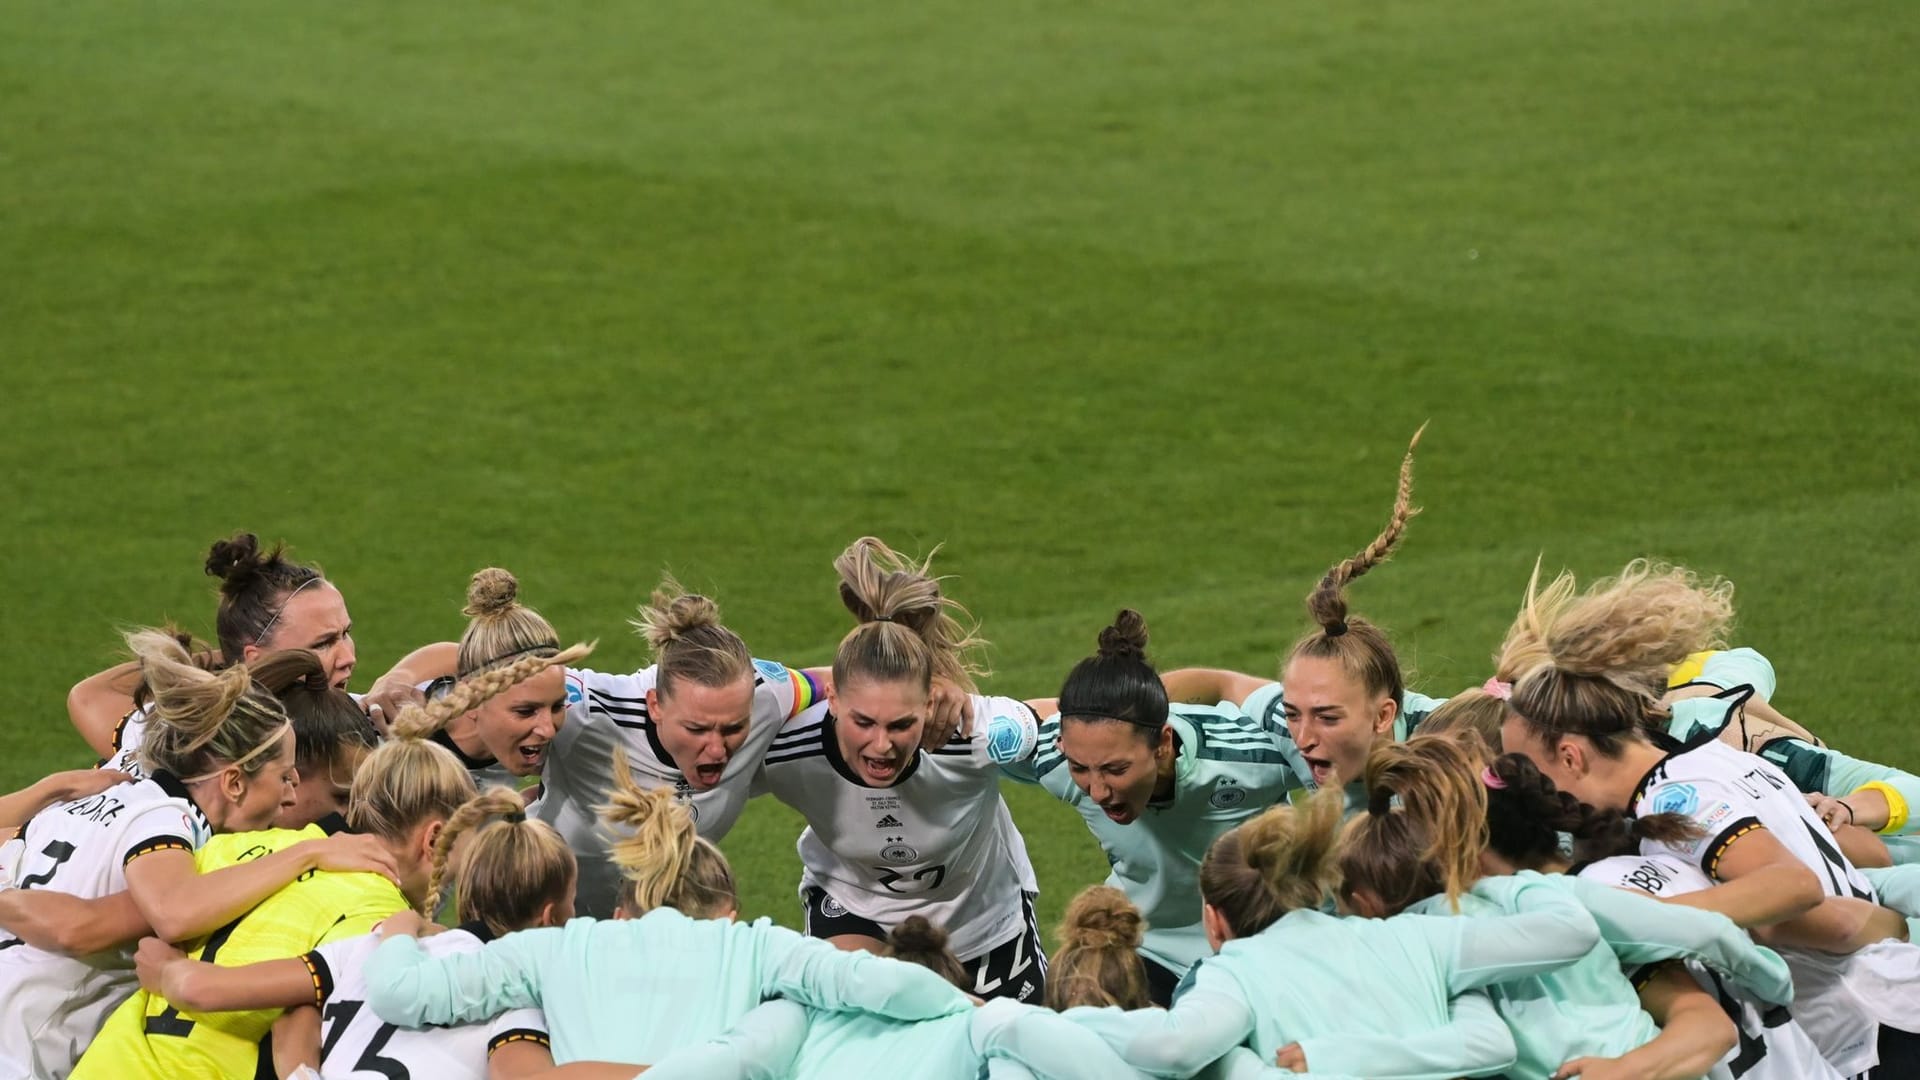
218,756
1419,847
509,874
1725,693
1264,885
1526,819
1156,785
506,736
695,722
402,798
268,603
1343,687
671,969
897,825
1580,717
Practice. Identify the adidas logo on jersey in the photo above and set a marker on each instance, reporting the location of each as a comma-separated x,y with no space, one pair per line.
888,822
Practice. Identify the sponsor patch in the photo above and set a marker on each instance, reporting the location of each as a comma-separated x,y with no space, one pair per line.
774,673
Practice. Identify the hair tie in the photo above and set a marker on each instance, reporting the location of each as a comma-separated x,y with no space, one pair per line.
1492,780
1380,802
883,618
1337,629
514,817
1497,689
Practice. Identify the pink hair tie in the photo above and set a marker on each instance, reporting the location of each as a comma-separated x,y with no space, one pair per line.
1488,778
1495,688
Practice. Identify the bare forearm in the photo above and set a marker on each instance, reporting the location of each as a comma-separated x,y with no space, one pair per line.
70,925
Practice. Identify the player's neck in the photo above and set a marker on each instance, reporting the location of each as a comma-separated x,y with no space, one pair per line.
1619,778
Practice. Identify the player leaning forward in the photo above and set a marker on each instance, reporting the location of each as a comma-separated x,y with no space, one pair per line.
898,825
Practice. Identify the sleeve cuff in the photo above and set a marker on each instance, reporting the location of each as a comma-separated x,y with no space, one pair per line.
1710,855
321,975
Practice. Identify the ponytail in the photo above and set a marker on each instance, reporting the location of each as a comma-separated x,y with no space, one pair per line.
203,721
908,631
1281,861
1425,824
511,868
665,862
1356,644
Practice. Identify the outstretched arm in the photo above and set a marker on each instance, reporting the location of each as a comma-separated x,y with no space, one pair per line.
406,986
1695,1033
97,703
1210,686
1642,930
71,925
1474,1042
813,972
67,786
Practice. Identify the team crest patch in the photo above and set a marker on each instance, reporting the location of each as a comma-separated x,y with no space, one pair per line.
832,908
774,673
575,692
1675,799
898,854
1227,797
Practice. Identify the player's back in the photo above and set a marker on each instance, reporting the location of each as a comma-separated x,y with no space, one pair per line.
358,1045
55,1004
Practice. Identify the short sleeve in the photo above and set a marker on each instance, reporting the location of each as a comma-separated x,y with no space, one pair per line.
1722,815
792,691
322,964
162,826
1266,707
518,1025
1729,668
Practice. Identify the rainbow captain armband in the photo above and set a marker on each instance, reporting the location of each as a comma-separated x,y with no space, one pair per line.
1896,805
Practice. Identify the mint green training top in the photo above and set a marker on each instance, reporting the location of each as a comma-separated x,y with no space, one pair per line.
635,989
1345,978
1590,1008
1228,768
1002,1038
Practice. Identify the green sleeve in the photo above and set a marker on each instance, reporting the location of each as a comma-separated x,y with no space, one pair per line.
1824,770
1211,1018
1474,1042
1729,668
407,987
761,1046
1642,930
1045,1043
815,973
1550,931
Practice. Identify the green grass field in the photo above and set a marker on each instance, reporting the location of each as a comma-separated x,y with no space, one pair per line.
1129,303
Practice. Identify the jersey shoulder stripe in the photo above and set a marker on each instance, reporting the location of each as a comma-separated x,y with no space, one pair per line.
322,977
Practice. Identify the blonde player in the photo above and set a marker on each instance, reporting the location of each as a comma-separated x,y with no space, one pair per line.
219,758
509,874
898,825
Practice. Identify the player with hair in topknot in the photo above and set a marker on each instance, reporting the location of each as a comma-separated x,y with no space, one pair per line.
1156,784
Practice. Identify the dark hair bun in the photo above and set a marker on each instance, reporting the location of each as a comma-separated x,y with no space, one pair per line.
1126,638
238,562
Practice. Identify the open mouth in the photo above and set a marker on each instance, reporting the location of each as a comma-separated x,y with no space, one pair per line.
1117,813
707,775
1322,770
531,754
879,768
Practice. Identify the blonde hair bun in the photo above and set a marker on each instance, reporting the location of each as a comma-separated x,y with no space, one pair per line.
1102,917
491,593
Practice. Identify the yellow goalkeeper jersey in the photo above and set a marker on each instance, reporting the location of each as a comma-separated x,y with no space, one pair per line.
148,1038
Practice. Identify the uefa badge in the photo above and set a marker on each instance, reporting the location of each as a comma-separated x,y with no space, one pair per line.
1011,738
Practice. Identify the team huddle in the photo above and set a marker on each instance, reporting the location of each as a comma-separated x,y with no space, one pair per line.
1615,858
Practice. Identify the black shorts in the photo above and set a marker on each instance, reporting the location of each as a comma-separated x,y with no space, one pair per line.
1016,968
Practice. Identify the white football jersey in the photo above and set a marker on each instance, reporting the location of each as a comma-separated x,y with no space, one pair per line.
127,737
1771,1045
1729,793
55,1004
355,1044
938,843
605,711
